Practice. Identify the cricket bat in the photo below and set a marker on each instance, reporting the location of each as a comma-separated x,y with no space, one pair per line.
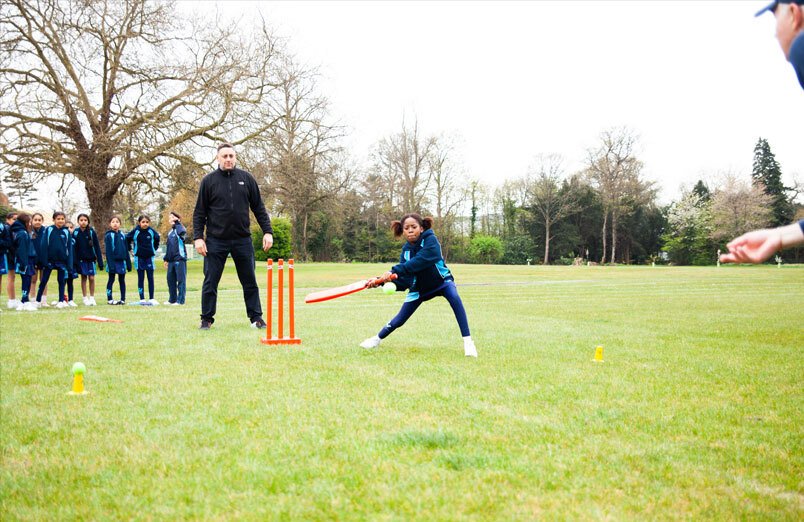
340,291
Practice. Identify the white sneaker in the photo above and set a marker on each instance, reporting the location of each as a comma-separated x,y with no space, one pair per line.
371,342
30,306
154,302
110,301
62,304
469,349
86,301
144,302
43,302
72,303
20,307
91,301
13,304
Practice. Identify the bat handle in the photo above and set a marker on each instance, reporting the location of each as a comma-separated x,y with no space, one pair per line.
374,282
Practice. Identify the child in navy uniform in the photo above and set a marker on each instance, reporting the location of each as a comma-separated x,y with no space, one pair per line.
176,260
13,303
37,233
87,253
73,271
21,238
56,254
144,241
5,245
117,260
422,269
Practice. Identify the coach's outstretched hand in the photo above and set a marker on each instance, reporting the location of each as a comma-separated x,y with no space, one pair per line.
758,245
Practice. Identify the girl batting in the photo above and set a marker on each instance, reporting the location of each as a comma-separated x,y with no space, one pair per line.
422,270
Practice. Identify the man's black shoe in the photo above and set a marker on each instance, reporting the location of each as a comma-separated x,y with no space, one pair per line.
205,325
258,323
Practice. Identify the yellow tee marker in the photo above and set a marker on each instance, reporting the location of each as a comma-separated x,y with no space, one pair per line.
78,379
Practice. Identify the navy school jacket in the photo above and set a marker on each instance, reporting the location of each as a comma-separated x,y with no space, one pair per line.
21,246
175,249
36,242
56,246
143,242
421,266
87,247
5,238
116,248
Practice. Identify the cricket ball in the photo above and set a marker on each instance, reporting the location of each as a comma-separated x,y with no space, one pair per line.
388,288
79,368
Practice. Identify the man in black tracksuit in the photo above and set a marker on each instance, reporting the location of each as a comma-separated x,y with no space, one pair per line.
224,198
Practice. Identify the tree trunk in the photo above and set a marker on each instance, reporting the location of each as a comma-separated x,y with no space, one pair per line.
613,236
547,242
100,207
304,237
605,223
612,258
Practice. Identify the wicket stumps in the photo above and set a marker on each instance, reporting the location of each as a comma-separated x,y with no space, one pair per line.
280,291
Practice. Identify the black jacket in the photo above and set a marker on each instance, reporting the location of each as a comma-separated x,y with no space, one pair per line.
224,199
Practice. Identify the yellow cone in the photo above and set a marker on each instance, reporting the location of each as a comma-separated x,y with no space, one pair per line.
78,384
78,379
599,353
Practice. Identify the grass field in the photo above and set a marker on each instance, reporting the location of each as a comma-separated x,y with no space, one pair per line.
696,412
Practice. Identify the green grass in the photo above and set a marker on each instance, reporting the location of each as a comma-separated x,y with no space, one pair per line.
696,412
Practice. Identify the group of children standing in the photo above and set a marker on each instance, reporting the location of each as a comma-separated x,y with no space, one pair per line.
34,251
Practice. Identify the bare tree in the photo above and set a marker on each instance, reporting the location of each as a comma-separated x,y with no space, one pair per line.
107,91
21,187
404,160
738,207
615,171
549,201
447,194
299,154
64,200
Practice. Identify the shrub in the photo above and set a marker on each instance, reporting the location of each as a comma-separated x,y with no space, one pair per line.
485,249
282,241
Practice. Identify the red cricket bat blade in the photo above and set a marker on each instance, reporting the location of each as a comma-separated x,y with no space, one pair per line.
333,293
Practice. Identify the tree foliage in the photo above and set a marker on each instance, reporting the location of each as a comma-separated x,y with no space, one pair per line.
767,173
486,249
283,241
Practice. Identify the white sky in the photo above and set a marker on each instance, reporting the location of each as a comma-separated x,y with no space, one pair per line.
699,81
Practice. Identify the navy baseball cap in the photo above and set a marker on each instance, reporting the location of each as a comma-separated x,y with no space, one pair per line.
773,5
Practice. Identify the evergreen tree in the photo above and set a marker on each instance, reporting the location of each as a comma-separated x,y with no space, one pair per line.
767,171
702,191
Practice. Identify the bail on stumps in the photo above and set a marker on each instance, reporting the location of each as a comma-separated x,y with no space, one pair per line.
78,379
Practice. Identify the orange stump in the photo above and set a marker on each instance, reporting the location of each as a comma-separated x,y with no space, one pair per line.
280,305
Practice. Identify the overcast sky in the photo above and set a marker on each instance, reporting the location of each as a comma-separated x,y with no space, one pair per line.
699,81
